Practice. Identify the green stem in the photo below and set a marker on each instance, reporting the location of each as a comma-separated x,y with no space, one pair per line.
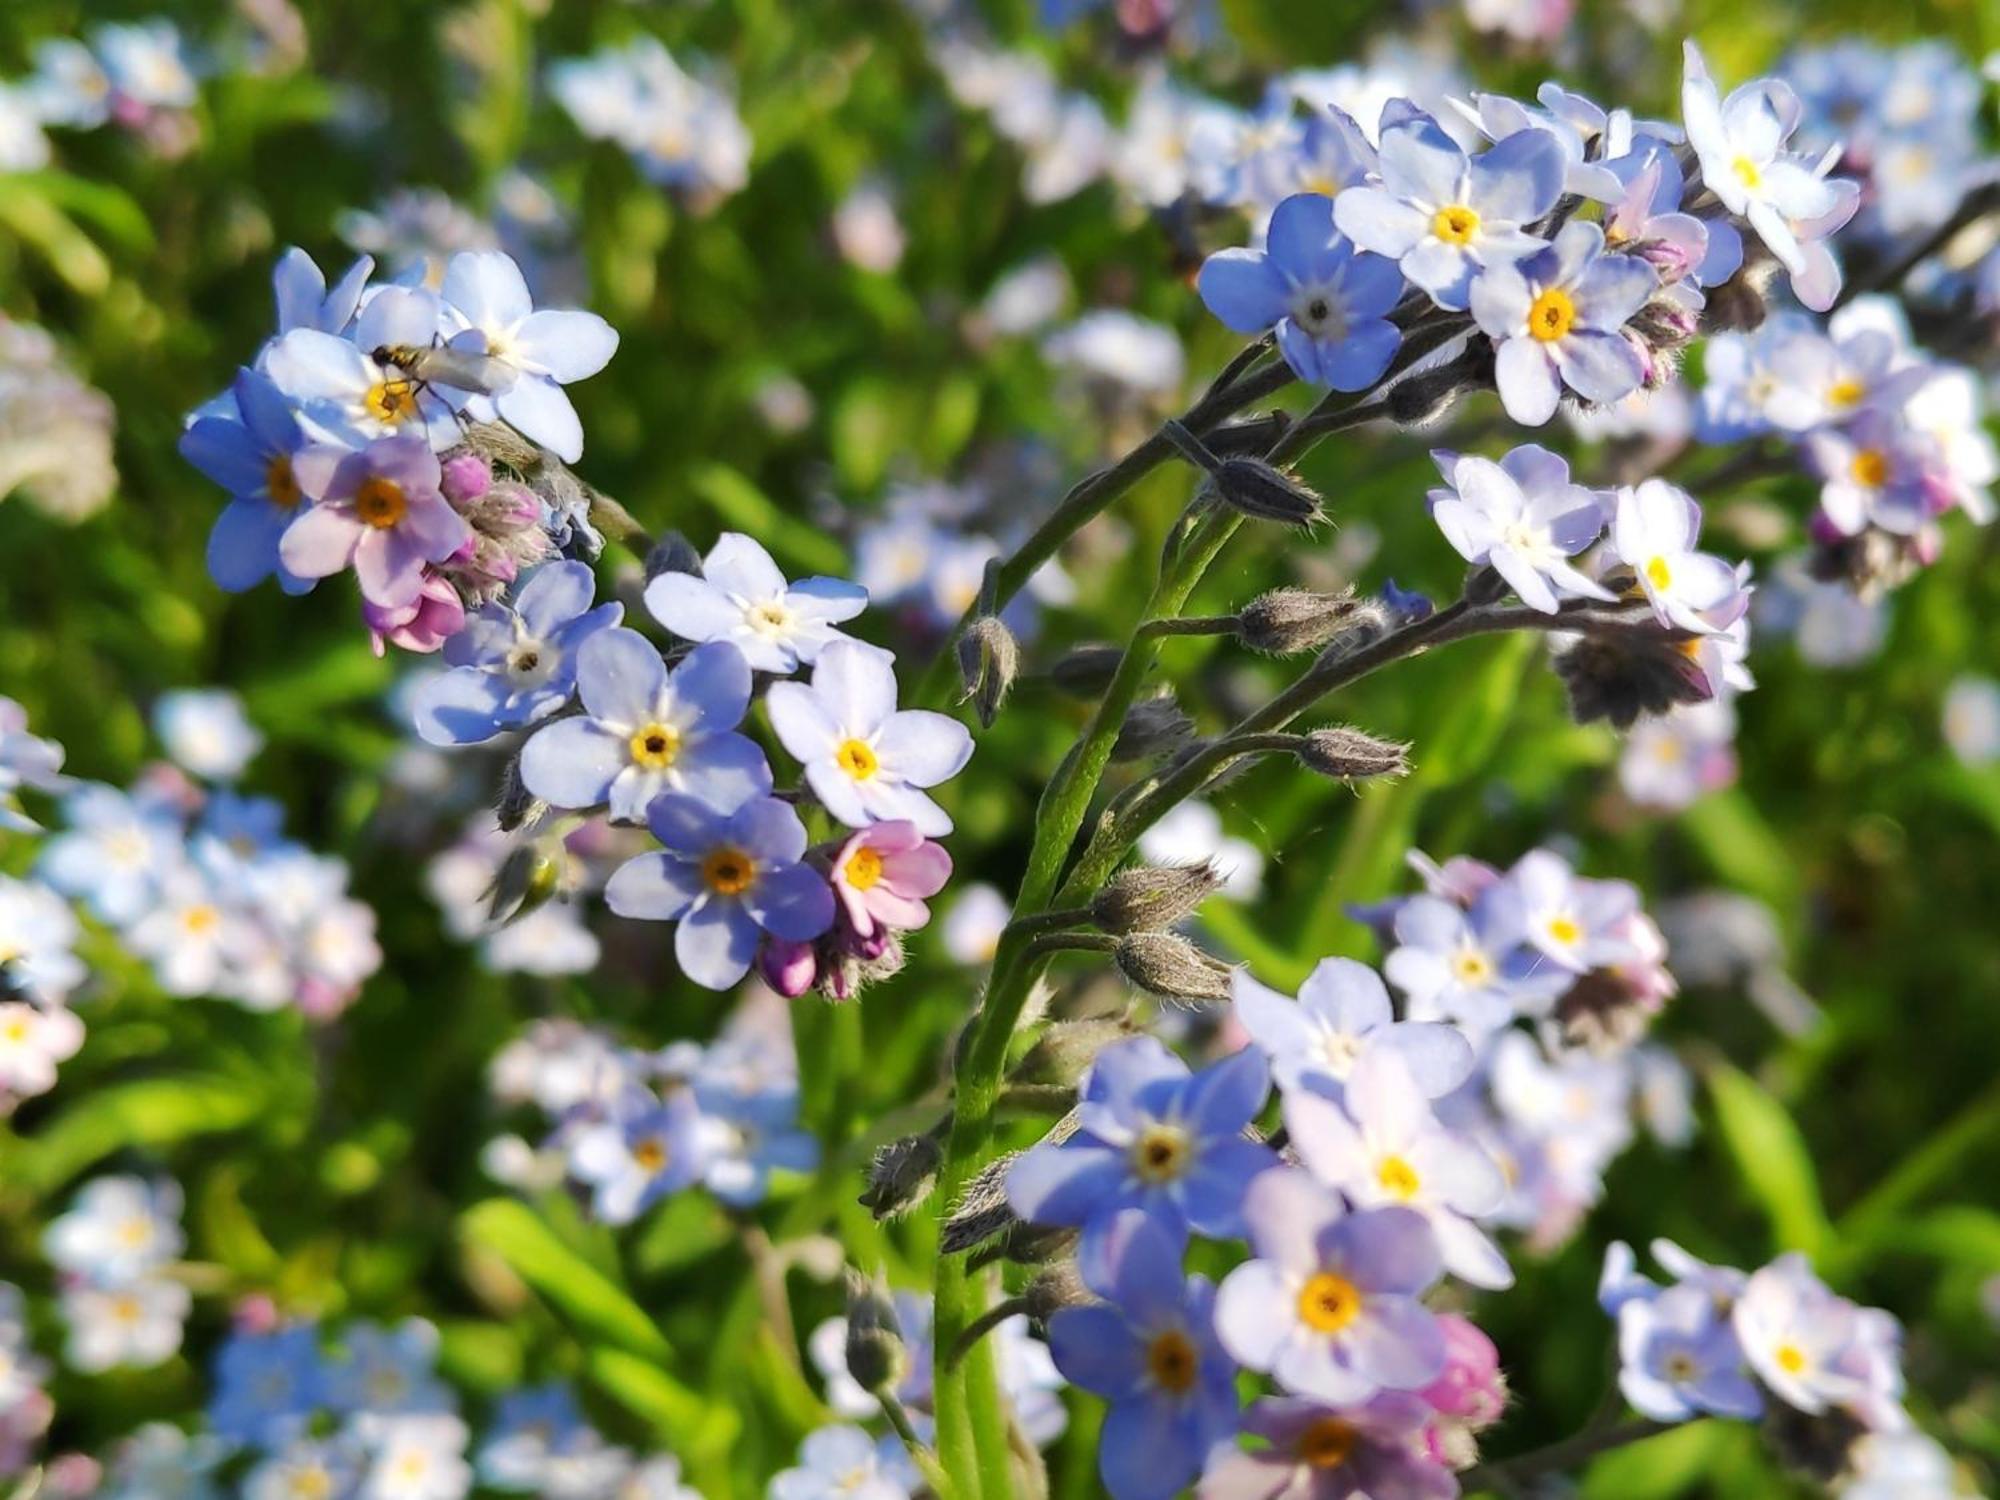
1557,1457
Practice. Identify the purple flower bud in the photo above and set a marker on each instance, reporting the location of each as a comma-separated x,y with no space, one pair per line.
465,478
422,625
787,967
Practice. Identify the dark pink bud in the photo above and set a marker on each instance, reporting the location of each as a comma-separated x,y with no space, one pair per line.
789,968
436,615
465,478
1823,530
255,1313
1471,1387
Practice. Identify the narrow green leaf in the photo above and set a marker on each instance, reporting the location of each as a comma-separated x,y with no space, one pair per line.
741,506
1771,1158
151,1113
601,1309
698,1430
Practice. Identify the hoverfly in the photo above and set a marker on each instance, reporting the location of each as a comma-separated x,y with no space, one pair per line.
440,364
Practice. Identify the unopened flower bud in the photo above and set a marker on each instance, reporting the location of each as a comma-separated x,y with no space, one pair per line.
1422,399
1153,897
517,805
464,478
1086,671
1168,965
529,875
1056,1287
1665,325
902,1175
989,659
1286,621
1348,754
982,1210
876,1357
1152,728
788,967
1361,626
672,553
1266,493
1665,257
1066,1048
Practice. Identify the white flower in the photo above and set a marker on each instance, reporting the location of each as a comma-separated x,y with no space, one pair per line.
136,1323
206,732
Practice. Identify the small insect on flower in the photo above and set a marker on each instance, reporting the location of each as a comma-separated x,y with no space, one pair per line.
441,364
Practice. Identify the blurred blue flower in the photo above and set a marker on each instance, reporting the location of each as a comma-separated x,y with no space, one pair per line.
648,1148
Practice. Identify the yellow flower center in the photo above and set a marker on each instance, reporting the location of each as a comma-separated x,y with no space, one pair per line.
655,746
1327,1443
126,1309
1747,172
1328,1303
1160,1153
650,1154
864,868
312,1484
380,502
134,1234
391,402
1551,314
769,619
1659,574
1471,967
1870,468
1681,1367
729,871
1398,1178
1455,224
1791,1358
1170,1360
857,759
200,919
15,1030
281,484
1846,392
1564,930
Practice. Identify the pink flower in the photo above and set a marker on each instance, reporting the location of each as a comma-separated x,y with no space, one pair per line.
883,874
422,625
378,510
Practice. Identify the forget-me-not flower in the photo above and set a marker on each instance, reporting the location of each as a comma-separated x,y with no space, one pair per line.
645,730
867,761
647,1148
1555,319
1328,302
347,397
514,664
1343,1015
378,510
727,877
1444,216
250,455
1678,1356
1331,1304
488,310
1654,533
741,597
1151,1136
1524,518
1149,1348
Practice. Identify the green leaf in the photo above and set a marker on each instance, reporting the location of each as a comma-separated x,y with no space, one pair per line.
741,506
601,1309
32,216
1674,1463
152,1113
1771,1158
700,1431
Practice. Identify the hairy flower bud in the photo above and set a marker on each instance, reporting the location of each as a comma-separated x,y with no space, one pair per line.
1153,897
1287,620
1364,623
876,1357
1153,727
982,1210
1266,493
672,553
989,659
902,1175
1349,754
516,805
1168,965
1422,399
1086,671
1066,1048
1057,1286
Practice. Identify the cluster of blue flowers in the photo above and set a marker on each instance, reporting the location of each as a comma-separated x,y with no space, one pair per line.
682,130
194,877
1412,1131
135,75
1719,1342
633,1127
357,1412
344,445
